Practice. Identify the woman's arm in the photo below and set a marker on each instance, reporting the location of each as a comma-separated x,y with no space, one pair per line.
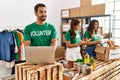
88,42
69,45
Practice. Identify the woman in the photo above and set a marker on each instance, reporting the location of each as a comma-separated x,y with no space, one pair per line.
92,37
73,41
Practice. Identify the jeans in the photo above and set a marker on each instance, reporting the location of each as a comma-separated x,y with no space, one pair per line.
90,50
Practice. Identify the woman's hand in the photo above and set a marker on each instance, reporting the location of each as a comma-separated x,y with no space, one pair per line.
82,42
98,42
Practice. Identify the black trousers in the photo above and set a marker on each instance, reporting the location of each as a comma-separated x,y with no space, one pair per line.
16,62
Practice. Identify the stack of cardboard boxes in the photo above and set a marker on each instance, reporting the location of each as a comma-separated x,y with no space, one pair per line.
86,9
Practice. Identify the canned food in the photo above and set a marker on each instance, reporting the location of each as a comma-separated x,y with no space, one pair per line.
75,66
79,67
89,68
83,68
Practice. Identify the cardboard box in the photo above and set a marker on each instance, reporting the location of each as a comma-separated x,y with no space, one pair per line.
85,11
59,53
98,9
65,13
85,2
65,27
107,53
75,12
92,10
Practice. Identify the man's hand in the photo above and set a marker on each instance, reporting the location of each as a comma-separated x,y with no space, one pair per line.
27,43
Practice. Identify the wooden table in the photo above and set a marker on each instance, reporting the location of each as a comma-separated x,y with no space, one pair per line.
104,71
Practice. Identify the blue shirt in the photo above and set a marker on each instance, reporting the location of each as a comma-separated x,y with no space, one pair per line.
6,46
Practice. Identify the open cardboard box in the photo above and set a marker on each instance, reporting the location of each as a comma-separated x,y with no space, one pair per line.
107,53
59,53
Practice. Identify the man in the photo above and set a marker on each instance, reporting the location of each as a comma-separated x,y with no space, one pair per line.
40,33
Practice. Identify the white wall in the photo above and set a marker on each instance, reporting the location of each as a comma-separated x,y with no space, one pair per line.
19,13
54,10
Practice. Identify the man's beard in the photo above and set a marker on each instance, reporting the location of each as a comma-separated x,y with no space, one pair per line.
42,18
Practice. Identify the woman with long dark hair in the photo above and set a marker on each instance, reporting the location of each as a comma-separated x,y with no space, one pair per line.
92,37
73,41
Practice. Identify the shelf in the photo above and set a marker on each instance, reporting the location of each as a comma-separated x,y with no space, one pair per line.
85,20
106,15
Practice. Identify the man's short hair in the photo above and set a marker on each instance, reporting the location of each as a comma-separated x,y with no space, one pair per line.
38,5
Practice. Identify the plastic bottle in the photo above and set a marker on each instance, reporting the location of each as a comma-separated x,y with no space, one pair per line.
93,66
93,63
86,58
